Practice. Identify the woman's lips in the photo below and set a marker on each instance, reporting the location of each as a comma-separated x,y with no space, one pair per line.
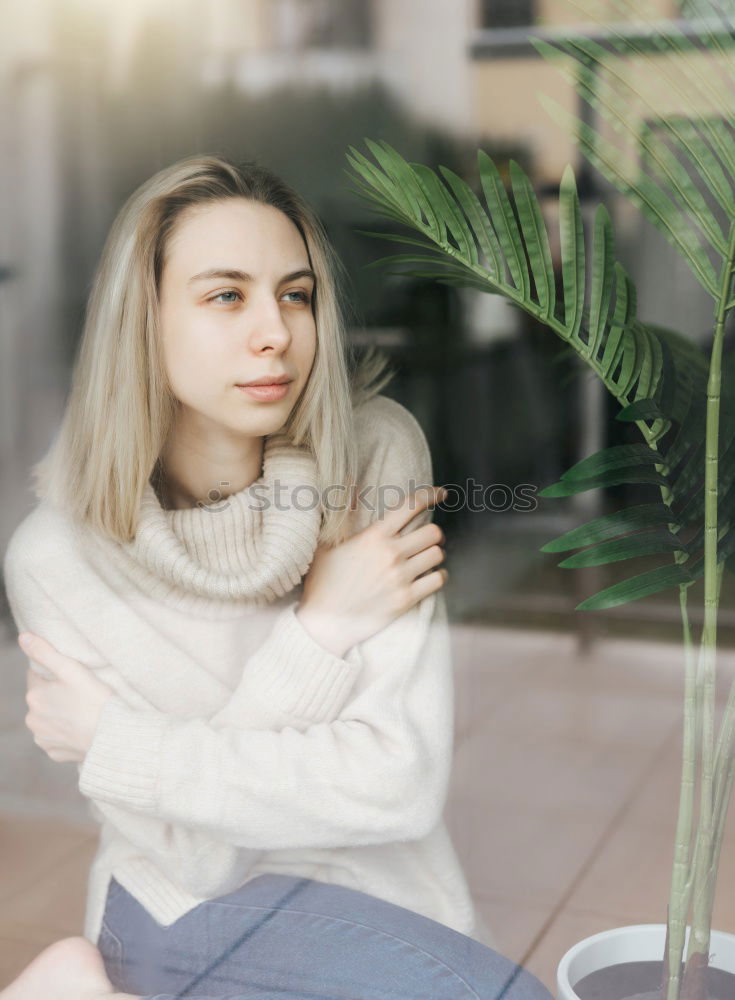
266,393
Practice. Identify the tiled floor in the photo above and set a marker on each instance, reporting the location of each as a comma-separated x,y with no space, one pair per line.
561,807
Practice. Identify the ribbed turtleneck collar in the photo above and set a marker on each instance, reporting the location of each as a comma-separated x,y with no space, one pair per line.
253,546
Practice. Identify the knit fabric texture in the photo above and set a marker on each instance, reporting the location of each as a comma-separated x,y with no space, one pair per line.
235,744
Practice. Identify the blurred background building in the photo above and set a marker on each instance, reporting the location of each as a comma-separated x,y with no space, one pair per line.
96,95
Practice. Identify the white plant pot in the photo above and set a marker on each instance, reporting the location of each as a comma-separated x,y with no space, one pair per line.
637,943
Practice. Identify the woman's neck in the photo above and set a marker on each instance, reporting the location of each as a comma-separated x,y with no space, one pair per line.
187,476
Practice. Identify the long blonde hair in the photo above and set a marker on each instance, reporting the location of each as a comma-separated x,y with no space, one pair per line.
120,408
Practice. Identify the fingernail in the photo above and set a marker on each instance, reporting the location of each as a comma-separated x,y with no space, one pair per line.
25,639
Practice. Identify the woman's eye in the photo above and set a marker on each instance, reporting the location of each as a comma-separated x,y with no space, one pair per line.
219,297
303,296
230,297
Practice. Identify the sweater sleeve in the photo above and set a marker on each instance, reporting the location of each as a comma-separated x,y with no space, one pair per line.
201,862
206,863
377,773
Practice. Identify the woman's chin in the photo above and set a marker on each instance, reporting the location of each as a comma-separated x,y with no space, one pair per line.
262,418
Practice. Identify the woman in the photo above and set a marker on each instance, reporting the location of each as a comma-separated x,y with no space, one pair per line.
246,656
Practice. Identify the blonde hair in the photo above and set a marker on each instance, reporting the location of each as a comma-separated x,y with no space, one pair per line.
120,408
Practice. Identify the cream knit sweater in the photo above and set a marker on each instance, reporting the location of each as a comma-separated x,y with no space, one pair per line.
235,744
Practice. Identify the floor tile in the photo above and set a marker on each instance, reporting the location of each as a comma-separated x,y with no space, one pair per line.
33,932
15,956
655,806
526,855
630,878
514,925
32,851
57,900
602,719
552,775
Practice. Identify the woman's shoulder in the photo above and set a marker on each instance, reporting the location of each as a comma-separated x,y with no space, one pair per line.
394,459
42,573
387,430
42,541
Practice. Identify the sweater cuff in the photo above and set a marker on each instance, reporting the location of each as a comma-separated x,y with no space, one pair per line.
121,763
293,672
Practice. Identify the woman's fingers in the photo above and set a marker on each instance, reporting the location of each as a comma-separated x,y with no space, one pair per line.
60,667
420,499
42,652
65,706
427,584
33,678
424,560
419,539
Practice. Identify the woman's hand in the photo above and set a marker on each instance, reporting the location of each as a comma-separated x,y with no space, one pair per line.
63,711
357,588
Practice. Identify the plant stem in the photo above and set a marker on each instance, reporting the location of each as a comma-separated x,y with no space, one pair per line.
724,769
724,801
679,895
702,875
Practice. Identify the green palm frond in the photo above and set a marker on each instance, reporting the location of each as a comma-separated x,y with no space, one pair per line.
657,376
651,528
695,153
503,247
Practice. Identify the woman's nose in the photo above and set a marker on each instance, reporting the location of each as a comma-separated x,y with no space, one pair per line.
268,327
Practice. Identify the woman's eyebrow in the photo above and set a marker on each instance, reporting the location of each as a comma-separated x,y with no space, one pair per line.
231,274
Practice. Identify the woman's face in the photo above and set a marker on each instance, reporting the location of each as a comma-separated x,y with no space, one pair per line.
236,305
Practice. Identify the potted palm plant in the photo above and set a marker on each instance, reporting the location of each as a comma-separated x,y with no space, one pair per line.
679,398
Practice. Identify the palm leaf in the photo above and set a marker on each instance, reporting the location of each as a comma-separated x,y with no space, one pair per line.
692,88
653,203
571,231
651,582
614,477
501,212
617,549
682,464
537,241
482,229
655,374
514,241
611,526
612,99
603,278
619,456
640,409
694,153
